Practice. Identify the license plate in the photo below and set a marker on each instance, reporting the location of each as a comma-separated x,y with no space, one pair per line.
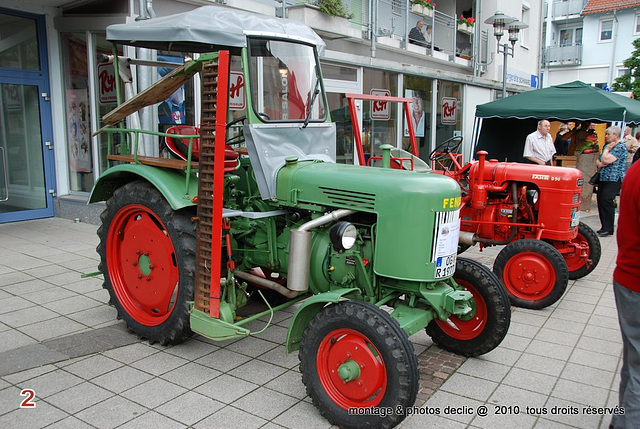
445,266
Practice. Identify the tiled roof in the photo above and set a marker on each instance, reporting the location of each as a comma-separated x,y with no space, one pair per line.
599,6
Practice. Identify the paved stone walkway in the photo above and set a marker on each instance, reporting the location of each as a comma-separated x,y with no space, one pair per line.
60,338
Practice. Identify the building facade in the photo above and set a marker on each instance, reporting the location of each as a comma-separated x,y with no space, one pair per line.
588,40
55,88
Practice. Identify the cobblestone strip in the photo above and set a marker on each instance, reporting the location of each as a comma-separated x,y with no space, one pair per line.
435,366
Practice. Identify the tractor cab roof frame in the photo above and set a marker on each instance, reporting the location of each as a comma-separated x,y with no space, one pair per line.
208,29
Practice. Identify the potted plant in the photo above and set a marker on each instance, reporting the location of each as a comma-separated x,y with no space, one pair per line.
423,7
334,8
465,24
328,17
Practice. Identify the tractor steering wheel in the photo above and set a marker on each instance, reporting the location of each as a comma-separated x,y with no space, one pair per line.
450,145
240,137
441,157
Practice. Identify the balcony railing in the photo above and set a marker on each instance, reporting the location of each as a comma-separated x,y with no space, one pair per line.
563,55
568,7
389,22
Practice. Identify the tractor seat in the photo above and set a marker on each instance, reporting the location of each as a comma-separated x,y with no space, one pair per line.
179,147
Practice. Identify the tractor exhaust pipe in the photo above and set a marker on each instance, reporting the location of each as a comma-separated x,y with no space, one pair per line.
269,284
300,249
468,238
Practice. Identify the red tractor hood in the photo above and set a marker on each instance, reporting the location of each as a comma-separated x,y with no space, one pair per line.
544,176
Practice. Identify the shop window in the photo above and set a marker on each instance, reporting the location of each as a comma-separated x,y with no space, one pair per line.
77,111
418,88
178,108
19,43
449,111
380,123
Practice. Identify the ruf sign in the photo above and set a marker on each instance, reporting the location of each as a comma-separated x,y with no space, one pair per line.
236,91
449,110
380,110
107,83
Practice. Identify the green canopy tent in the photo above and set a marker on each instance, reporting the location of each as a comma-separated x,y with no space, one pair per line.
502,126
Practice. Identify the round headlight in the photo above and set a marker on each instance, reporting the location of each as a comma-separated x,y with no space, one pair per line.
532,196
343,235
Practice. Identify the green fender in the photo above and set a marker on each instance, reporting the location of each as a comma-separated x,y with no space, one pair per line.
171,183
310,308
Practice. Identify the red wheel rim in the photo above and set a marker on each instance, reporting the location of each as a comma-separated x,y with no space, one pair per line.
529,276
573,259
346,346
470,325
142,265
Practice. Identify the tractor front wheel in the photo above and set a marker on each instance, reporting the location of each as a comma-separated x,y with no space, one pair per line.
147,258
484,328
534,273
353,357
579,266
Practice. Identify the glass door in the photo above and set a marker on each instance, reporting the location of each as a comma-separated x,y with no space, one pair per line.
26,158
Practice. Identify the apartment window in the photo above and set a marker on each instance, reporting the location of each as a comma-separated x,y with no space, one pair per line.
623,71
566,37
606,30
637,27
524,33
570,36
395,6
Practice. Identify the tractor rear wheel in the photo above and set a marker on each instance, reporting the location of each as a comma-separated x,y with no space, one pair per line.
147,258
484,328
580,267
533,272
355,356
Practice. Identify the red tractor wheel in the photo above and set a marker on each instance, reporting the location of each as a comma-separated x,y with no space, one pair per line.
355,356
533,272
581,265
147,259
484,328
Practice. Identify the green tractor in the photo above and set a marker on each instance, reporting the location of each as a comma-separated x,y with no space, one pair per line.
253,200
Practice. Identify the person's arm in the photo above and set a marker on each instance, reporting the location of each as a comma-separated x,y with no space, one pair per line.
607,157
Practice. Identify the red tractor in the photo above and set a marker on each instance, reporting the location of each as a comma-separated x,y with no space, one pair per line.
532,210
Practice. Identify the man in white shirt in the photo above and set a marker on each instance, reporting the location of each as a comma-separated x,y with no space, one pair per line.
539,148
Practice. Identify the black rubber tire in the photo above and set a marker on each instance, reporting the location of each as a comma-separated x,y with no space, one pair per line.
181,231
394,348
498,312
546,254
595,251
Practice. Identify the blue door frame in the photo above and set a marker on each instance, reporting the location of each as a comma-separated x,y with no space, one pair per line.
40,79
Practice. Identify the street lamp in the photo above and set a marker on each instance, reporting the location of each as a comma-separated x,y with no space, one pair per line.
500,21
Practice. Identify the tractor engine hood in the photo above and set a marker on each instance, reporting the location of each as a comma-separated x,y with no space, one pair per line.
544,176
410,210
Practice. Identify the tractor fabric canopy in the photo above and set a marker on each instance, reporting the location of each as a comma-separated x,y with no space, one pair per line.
569,101
206,29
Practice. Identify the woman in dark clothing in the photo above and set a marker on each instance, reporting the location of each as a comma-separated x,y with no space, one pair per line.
612,167
562,145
